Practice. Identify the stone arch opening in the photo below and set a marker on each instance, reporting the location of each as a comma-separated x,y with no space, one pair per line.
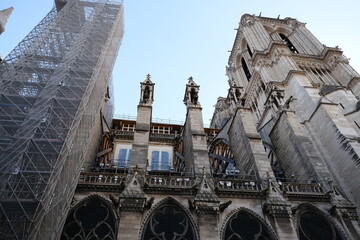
246,48
169,221
289,43
91,219
312,223
246,69
245,224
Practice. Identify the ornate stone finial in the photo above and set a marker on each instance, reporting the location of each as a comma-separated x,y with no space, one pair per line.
147,91
191,93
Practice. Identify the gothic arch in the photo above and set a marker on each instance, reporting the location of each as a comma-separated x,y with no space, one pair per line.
171,209
247,223
92,218
326,228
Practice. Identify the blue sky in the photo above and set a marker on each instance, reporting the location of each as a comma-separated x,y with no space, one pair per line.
175,39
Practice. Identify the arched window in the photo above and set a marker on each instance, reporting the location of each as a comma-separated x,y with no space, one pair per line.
312,225
91,219
244,225
169,221
246,69
289,44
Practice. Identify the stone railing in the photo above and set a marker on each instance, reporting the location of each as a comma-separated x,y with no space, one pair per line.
123,134
304,190
174,184
162,137
101,181
238,187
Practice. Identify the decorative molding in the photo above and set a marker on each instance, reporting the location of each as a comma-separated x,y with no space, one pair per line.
341,207
277,208
270,58
247,20
133,199
206,201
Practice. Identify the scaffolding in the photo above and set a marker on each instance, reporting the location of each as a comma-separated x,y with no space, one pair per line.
53,87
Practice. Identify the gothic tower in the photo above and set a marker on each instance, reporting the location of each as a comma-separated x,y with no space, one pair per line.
301,98
54,93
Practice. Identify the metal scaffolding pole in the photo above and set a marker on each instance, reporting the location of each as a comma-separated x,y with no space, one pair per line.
52,90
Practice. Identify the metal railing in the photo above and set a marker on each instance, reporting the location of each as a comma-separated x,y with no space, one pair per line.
154,120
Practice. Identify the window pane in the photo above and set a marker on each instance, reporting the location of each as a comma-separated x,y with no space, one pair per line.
128,159
165,161
122,158
155,160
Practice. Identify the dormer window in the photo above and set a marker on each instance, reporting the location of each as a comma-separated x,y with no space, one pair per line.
246,69
289,44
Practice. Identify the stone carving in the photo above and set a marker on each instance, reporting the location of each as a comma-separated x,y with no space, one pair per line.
277,208
271,58
247,20
191,97
147,91
293,23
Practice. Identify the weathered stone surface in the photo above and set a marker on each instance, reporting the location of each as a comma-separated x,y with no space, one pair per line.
287,145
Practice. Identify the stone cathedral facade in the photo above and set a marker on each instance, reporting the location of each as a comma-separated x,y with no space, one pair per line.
279,161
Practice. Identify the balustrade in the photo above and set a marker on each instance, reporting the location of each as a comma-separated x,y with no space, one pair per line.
101,178
170,181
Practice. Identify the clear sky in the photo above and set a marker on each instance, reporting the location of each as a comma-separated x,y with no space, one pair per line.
175,39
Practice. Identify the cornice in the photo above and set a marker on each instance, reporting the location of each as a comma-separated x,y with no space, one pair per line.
271,54
328,59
